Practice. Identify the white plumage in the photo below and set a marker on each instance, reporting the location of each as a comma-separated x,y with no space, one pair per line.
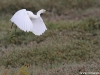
28,22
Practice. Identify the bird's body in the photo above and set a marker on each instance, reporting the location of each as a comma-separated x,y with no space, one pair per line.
28,22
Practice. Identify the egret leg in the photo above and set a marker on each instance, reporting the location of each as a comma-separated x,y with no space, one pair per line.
15,32
12,25
15,29
11,28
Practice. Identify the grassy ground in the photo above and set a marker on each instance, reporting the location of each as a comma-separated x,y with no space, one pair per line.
70,45
67,47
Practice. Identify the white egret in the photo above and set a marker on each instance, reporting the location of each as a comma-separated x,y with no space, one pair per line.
28,22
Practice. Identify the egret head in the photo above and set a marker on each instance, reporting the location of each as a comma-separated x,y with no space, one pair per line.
43,10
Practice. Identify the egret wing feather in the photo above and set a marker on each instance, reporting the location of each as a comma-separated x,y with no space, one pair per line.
22,20
38,26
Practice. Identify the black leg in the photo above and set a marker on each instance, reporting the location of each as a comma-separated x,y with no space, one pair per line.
12,25
15,29
15,32
11,28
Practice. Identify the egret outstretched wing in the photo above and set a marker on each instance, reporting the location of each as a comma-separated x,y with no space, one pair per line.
22,20
38,26
27,21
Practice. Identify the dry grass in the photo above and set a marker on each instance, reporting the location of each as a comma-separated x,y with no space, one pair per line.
68,47
54,52
62,69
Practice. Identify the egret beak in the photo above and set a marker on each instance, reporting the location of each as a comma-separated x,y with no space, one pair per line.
48,10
